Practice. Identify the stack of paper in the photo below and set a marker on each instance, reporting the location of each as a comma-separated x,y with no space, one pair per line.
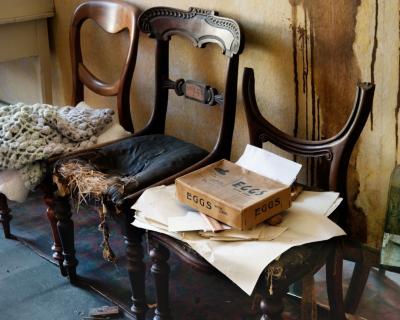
235,253
243,261
159,207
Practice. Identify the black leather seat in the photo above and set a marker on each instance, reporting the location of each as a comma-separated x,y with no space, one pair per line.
137,162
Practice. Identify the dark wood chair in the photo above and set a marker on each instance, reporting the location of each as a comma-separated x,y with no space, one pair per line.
333,156
298,261
112,16
150,157
5,217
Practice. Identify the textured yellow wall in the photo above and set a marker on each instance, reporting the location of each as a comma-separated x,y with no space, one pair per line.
377,52
308,56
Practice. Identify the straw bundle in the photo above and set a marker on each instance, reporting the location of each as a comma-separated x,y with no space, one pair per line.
81,179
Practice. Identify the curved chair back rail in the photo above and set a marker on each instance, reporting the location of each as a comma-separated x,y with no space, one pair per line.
336,150
112,17
199,25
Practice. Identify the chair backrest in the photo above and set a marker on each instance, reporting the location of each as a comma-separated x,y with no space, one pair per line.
112,16
335,150
200,27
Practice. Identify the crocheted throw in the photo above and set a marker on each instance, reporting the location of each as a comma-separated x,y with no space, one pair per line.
30,133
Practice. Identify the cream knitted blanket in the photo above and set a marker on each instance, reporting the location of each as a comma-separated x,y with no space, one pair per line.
30,133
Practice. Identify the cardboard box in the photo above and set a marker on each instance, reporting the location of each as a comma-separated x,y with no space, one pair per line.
233,195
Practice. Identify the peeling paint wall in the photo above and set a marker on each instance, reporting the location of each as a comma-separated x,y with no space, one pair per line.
337,44
378,58
308,56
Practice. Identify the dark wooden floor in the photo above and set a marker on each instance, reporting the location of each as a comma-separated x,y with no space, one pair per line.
32,289
381,297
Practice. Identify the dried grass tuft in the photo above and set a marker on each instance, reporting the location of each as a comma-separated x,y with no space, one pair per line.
83,180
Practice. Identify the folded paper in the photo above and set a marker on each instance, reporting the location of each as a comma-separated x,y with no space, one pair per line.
192,221
261,233
160,203
269,165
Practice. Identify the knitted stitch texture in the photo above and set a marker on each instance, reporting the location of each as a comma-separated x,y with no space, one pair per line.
30,133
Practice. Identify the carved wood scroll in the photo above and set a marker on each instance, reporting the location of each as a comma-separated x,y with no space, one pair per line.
200,25
195,90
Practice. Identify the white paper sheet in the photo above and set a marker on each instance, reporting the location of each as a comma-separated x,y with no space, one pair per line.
160,203
260,233
192,221
142,223
313,202
336,204
269,165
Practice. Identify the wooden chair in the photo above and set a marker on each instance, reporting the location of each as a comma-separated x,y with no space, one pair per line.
5,217
298,261
334,154
112,16
150,157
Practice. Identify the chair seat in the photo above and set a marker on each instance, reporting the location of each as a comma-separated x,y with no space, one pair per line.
298,261
291,266
134,163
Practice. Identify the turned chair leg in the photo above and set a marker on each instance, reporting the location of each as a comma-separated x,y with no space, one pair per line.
334,269
5,217
65,227
136,267
56,247
357,284
272,306
160,271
